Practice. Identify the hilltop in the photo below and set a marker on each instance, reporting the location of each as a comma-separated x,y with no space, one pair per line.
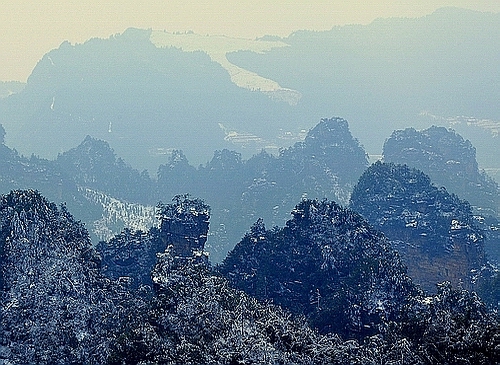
148,92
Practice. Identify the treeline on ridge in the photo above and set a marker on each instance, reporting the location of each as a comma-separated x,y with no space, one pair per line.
80,312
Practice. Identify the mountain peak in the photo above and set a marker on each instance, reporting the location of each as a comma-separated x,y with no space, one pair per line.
434,231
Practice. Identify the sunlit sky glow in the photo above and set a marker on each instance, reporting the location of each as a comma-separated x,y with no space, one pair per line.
31,28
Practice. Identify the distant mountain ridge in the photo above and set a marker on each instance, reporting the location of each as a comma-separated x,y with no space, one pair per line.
449,160
145,98
128,92
109,195
217,47
384,74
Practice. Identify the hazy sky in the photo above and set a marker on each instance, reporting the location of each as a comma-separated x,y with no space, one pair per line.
31,28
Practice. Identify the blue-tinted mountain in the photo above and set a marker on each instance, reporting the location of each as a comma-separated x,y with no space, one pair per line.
59,308
85,179
450,161
93,164
434,231
325,165
196,316
380,76
326,263
20,172
108,194
141,98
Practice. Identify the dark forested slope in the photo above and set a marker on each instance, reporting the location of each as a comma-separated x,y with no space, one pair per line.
59,308
434,231
326,263
55,301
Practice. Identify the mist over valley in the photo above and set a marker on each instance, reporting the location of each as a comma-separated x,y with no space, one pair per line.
327,197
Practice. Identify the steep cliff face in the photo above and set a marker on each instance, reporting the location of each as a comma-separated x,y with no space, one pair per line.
449,160
455,266
328,264
326,164
434,231
184,225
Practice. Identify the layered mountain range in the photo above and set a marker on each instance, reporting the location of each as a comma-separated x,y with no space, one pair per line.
63,302
109,195
450,161
147,92
321,257
439,236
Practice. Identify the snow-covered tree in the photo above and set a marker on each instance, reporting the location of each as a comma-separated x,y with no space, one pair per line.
434,231
56,307
328,264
